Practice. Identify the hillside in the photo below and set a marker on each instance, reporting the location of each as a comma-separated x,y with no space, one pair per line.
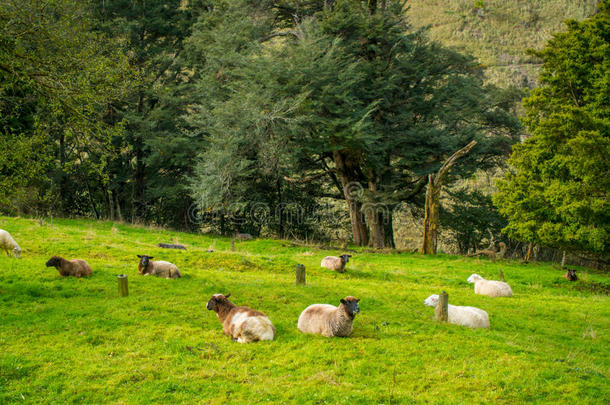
74,340
498,32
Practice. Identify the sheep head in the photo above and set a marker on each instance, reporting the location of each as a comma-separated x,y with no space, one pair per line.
216,301
474,278
54,261
350,304
345,258
431,301
17,252
144,260
571,275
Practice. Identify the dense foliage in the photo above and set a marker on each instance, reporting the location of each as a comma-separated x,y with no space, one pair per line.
347,99
282,117
557,193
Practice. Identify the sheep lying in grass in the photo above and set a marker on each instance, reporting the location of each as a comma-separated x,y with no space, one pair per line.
74,267
158,268
243,324
490,288
329,320
171,246
465,316
570,275
9,245
335,263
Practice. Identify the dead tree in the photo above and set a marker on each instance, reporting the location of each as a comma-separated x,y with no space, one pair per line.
433,192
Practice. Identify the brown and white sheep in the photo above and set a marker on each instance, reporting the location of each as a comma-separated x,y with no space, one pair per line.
74,267
9,245
329,320
158,268
335,263
243,324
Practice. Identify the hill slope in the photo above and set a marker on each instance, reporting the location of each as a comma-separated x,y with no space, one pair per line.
74,340
498,32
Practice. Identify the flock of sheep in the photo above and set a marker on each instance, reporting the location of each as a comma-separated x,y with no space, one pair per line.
246,325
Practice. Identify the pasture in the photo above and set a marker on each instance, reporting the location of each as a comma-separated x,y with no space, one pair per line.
66,340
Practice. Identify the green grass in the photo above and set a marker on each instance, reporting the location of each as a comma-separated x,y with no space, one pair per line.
498,32
68,340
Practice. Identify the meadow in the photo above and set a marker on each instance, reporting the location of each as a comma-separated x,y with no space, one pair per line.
66,340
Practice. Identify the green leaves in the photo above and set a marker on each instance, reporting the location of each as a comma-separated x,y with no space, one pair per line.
557,192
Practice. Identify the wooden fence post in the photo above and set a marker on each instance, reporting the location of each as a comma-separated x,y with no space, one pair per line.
122,279
442,308
300,274
501,276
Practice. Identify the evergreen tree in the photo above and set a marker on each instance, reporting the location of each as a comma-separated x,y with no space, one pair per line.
154,158
557,191
365,107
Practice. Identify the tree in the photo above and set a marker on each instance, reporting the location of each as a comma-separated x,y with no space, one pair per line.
361,106
433,192
57,78
155,156
556,193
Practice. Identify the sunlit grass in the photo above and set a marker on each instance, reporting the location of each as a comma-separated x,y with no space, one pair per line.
75,340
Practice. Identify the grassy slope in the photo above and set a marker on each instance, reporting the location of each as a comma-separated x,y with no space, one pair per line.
70,339
498,32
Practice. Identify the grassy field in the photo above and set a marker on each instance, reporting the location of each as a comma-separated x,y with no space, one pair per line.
66,340
498,32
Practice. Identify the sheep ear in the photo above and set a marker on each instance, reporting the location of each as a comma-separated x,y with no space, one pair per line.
228,295
151,257
139,256
343,301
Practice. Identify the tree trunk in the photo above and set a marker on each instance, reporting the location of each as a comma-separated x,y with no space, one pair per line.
529,252
374,219
139,175
352,190
110,205
563,260
388,230
430,218
435,183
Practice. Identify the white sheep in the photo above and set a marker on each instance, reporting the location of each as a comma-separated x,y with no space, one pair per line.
490,288
465,316
9,245
329,320
157,268
335,263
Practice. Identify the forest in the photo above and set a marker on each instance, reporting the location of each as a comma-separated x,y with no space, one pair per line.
329,121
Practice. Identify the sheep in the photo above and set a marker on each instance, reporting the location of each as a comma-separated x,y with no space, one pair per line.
157,268
329,320
75,267
570,275
9,245
243,324
490,288
171,246
464,316
335,263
